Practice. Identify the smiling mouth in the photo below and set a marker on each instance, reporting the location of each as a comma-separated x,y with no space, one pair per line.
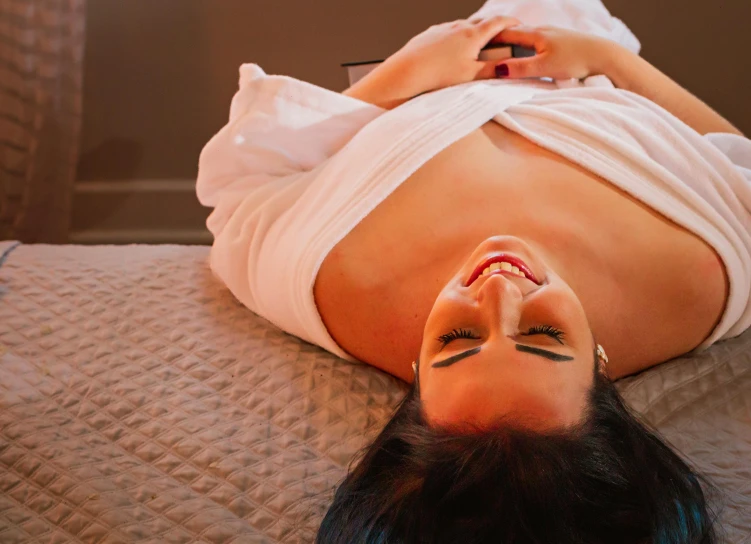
500,264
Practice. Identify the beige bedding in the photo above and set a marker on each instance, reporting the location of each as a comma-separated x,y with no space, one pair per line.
139,402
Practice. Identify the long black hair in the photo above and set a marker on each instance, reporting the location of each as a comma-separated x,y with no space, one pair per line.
609,479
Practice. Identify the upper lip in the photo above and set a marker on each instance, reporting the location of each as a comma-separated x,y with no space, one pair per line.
499,258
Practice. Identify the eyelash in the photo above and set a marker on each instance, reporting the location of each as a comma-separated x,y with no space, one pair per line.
456,334
449,337
547,329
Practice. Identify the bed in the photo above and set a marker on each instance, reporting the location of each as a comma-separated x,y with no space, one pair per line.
140,402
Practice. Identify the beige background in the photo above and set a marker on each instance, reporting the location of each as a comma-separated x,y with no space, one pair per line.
159,75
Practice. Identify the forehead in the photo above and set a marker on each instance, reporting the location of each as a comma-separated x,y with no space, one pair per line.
481,399
483,402
479,412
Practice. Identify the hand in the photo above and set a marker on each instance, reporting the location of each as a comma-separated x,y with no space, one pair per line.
446,54
561,53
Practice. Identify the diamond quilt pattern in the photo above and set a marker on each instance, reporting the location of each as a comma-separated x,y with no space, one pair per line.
140,402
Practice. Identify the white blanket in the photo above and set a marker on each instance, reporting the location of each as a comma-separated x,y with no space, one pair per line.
298,166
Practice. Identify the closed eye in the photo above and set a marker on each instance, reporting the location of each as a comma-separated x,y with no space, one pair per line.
455,334
555,334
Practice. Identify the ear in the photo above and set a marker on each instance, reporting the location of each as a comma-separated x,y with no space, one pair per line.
416,370
602,359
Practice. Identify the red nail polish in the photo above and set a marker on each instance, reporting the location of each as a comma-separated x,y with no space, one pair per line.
501,70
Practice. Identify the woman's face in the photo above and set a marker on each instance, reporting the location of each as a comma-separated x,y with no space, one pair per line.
499,342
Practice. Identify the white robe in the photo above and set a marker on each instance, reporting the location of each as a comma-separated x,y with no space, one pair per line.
297,167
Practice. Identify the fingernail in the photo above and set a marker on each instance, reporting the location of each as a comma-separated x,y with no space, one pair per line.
501,70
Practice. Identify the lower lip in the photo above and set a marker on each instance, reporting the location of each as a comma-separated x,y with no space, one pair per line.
513,261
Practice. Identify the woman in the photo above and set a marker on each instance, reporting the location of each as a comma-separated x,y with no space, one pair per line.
485,240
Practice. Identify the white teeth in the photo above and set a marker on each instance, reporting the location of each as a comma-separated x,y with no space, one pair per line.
508,267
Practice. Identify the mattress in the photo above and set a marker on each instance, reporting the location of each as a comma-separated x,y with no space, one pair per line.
140,402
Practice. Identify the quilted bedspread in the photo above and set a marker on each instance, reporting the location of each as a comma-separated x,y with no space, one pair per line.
140,402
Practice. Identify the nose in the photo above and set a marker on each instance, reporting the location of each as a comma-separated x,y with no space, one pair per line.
500,302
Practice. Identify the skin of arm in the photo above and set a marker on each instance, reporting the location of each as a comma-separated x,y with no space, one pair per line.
631,72
393,82
442,56
386,86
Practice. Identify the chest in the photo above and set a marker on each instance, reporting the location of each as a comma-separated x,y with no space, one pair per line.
638,275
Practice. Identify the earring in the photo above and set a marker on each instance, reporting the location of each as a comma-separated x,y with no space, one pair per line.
601,354
414,367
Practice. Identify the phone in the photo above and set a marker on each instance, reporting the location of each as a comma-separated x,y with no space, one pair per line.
503,51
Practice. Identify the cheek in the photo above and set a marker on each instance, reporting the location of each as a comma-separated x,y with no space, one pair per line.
434,324
560,305
558,300
446,308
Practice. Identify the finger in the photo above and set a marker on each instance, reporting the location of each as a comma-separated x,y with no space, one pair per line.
490,27
477,20
521,35
514,68
459,23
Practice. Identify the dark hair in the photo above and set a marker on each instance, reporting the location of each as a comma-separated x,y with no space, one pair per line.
607,480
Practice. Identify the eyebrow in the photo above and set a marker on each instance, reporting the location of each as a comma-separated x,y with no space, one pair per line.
544,353
519,347
456,358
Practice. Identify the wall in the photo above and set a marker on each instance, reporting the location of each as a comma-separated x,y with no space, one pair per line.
702,45
159,77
